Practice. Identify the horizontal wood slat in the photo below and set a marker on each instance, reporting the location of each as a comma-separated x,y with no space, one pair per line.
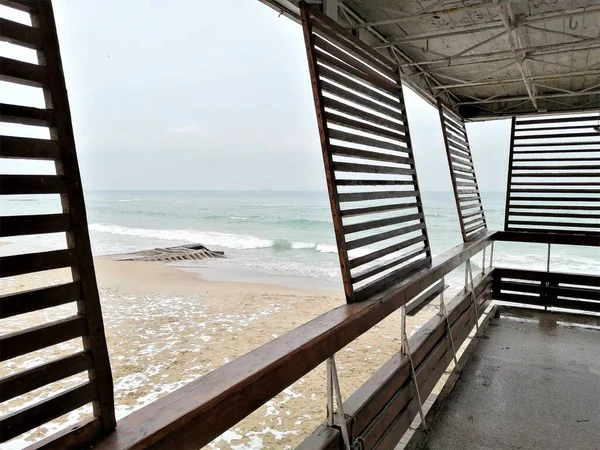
40,413
361,242
38,224
42,336
40,298
350,212
371,155
35,262
363,226
36,377
25,115
372,169
20,72
19,34
28,148
366,196
32,184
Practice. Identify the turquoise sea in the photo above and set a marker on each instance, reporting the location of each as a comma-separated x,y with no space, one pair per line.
267,232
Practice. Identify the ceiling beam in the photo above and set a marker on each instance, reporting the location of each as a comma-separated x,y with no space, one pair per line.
497,24
513,39
550,76
526,97
426,13
503,55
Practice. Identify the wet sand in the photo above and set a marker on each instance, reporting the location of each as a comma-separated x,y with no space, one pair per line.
166,327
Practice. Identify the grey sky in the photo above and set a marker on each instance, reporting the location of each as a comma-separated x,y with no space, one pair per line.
212,95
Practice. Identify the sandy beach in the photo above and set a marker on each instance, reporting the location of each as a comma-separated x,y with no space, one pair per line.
166,327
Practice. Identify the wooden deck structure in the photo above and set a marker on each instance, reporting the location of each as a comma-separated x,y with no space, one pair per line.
358,64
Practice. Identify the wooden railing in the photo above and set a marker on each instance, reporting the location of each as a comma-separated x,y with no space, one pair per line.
197,413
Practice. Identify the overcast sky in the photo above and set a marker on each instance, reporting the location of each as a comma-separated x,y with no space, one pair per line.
210,95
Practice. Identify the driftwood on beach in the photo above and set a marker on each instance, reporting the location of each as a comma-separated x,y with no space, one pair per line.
179,253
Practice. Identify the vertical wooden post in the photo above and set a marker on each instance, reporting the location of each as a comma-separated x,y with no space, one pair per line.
327,158
510,169
73,204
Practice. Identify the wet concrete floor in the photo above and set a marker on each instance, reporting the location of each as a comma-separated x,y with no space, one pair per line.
531,383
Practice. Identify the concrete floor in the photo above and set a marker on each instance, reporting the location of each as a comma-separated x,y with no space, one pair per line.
530,384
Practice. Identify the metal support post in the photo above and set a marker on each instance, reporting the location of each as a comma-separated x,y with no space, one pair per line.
483,262
492,255
333,388
405,349
469,276
444,314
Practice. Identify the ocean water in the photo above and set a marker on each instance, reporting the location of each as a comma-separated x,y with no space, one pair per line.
267,232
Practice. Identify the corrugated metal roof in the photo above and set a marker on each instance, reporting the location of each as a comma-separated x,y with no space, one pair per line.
486,58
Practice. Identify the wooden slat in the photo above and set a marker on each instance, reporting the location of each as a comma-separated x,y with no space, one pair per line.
40,298
25,115
365,196
473,228
334,118
364,168
32,184
363,114
378,209
38,224
569,207
476,205
28,148
554,135
565,159
371,155
35,262
361,260
20,72
556,199
42,336
554,151
560,167
361,242
567,127
36,377
556,214
543,190
19,34
459,145
374,182
364,140
554,224
363,226
40,413
555,183
372,271
418,303
557,144
551,175
593,118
